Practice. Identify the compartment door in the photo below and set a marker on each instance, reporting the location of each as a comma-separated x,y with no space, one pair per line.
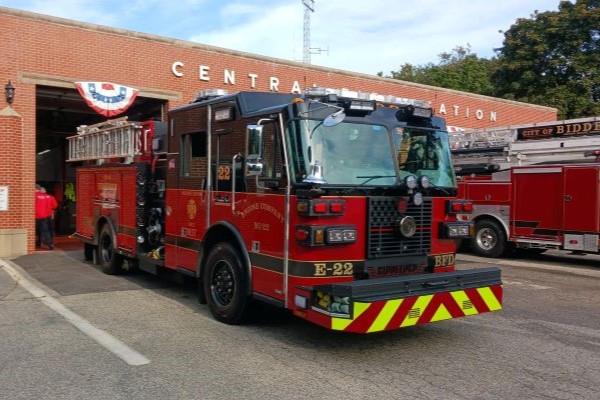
580,200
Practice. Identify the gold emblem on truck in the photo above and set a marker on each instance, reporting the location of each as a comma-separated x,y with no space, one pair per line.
191,209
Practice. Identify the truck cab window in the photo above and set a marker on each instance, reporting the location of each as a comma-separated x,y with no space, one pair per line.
193,154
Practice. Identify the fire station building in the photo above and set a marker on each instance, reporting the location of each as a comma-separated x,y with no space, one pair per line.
44,56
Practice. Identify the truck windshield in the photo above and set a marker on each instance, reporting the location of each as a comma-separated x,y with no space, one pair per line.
354,154
348,153
425,152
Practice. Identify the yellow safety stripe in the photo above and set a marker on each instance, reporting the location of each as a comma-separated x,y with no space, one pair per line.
391,307
490,299
415,313
385,315
464,303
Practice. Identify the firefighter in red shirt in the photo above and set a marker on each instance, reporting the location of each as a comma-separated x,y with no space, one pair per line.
52,204
45,205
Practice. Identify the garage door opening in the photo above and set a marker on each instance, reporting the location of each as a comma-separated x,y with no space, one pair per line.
59,112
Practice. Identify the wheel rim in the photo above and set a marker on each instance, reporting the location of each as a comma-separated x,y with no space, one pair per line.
222,284
105,248
487,239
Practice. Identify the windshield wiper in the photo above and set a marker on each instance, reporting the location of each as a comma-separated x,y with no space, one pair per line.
370,178
440,188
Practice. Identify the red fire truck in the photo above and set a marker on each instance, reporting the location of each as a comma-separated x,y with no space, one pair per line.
338,206
533,187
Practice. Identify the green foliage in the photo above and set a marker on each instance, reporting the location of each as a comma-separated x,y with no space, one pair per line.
459,69
551,58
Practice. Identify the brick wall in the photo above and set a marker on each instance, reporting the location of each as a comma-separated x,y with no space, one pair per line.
57,50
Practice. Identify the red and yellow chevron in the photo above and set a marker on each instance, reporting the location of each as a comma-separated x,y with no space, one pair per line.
399,313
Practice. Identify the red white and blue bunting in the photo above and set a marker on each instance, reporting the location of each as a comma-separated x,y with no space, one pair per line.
108,99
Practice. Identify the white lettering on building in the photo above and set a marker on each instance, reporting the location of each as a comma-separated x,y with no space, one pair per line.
228,77
203,71
296,88
274,84
253,78
177,69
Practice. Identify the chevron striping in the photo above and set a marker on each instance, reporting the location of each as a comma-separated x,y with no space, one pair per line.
340,324
401,313
463,301
441,314
420,305
386,314
490,298
365,320
477,300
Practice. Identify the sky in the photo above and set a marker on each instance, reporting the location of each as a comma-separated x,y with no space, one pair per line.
367,36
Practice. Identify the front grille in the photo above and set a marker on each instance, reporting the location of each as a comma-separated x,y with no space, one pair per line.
383,239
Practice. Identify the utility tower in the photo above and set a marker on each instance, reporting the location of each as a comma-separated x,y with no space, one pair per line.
309,6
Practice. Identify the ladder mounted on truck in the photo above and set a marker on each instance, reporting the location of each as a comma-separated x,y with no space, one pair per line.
117,138
566,141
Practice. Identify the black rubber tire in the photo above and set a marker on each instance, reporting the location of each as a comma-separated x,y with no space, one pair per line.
88,251
489,239
110,262
225,282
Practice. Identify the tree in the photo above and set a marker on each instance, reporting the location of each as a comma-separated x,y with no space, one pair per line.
460,69
552,59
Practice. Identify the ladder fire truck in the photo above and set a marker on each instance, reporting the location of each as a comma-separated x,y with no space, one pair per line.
336,205
533,187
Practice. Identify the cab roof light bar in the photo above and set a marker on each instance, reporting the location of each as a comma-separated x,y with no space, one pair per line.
322,92
209,94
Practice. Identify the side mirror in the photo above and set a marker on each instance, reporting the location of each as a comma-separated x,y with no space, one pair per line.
254,162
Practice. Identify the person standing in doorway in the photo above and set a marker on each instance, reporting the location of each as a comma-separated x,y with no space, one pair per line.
52,205
43,213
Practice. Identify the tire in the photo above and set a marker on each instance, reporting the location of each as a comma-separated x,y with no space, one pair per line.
489,239
225,284
88,251
110,262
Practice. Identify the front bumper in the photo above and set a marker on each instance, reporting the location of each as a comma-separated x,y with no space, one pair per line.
367,306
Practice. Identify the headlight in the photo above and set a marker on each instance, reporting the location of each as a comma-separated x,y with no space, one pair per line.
457,230
343,235
312,235
410,182
424,182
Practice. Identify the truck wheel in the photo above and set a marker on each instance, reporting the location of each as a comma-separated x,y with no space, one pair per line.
225,283
110,262
88,251
489,240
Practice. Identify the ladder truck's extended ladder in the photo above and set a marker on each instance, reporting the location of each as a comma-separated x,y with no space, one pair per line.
117,138
557,141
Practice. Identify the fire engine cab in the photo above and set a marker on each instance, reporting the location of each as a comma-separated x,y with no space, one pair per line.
533,187
336,205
